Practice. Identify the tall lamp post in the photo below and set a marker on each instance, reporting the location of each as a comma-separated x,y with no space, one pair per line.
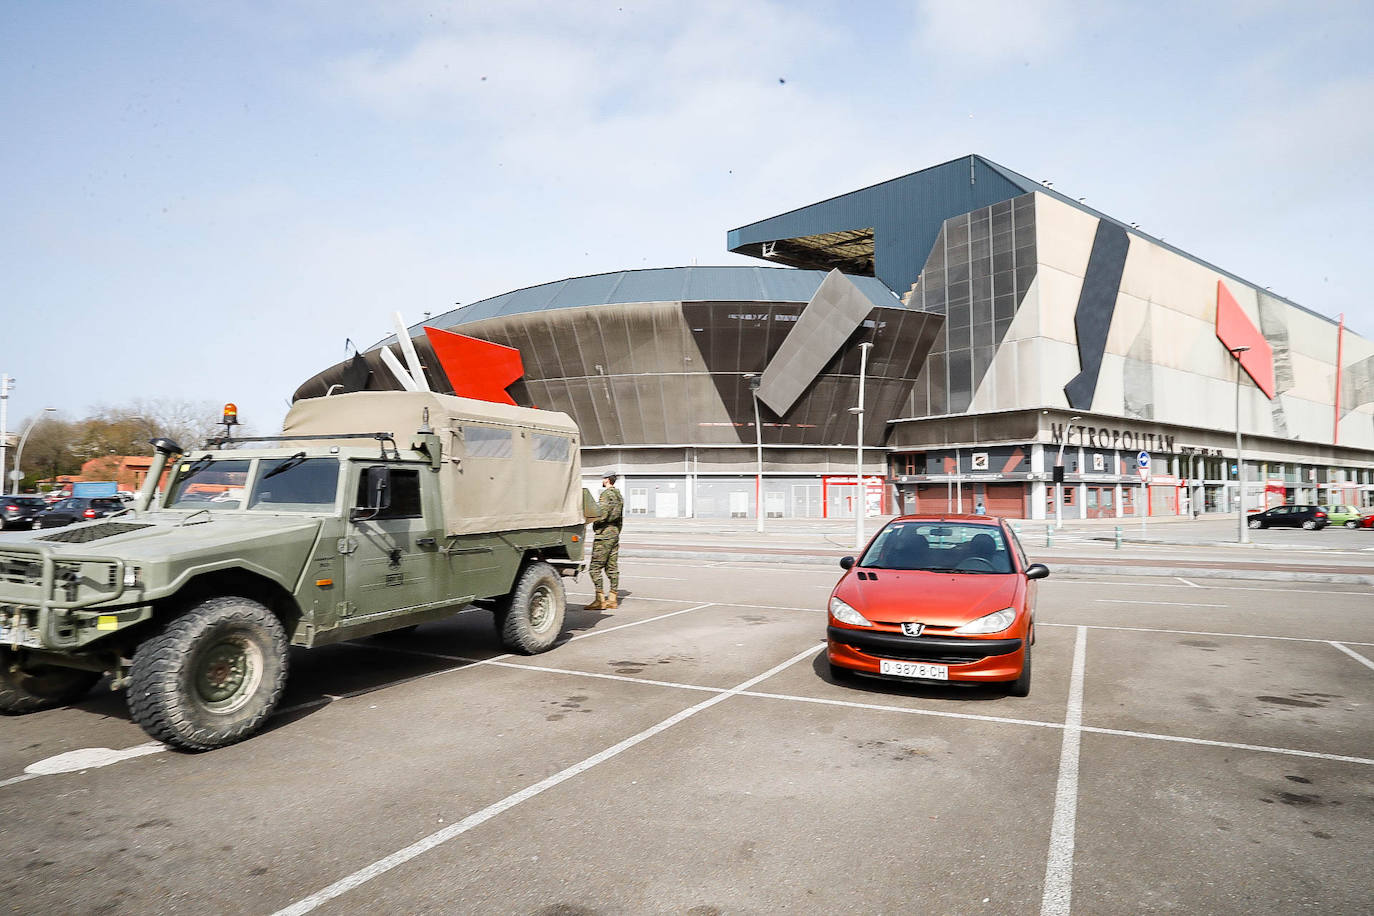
16,475
1059,487
1240,464
754,381
6,385
861,502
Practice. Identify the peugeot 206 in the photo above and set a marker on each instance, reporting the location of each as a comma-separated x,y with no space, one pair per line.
937,599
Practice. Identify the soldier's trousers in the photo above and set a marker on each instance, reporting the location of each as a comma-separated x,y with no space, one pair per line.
606,557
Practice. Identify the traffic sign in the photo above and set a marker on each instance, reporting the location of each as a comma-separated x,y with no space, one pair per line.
1142,461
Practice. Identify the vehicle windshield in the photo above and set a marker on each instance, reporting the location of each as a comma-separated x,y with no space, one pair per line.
209,484
951,547
294,484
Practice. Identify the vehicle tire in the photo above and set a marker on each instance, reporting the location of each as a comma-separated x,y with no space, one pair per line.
1021,686
842,675
534,618
1255,523
1352,524
40,686
1309,525
212,676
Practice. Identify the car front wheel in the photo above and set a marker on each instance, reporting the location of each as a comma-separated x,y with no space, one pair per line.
212,677
1352,524
1021,686
533,619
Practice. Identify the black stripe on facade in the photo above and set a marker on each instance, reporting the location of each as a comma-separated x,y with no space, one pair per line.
1096,303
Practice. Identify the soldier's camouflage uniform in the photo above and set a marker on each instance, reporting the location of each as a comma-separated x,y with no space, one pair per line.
606,548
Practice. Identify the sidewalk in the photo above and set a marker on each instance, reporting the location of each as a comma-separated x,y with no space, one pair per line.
1206,547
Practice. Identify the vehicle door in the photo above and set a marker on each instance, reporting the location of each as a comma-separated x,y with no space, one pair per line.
392,551
62,513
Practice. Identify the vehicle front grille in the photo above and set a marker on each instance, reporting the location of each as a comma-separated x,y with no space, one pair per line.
20,570
889,651
88,533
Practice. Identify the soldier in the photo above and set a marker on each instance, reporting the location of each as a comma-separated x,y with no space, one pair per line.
606,548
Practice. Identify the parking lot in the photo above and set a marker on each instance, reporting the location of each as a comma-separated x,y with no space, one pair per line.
1190,744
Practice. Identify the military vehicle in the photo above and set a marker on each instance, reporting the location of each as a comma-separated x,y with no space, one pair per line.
339,528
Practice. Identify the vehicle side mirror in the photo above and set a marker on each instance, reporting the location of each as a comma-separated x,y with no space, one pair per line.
1037,571
846,562
377,493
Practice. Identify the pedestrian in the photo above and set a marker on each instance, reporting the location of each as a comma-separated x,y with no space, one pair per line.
606,548
978,507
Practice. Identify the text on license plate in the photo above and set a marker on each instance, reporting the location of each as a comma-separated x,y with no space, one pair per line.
913,669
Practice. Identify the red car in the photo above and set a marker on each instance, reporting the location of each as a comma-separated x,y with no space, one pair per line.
937,599
1367,521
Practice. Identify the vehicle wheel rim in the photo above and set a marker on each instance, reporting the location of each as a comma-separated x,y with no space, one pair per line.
228,674
541,609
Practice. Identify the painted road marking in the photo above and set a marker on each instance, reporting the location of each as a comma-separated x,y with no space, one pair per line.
1186,582
400,857
1199,633
1353,654
1059,867
1155,603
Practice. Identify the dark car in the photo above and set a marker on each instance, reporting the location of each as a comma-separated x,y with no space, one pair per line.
1309,517
80,509
20,511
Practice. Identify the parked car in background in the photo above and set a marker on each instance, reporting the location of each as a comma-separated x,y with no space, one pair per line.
1349,516
79,509
1366,522
937,599
20,511
1309,517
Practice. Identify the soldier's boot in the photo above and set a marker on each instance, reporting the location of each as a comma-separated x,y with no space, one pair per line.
597,604
612,600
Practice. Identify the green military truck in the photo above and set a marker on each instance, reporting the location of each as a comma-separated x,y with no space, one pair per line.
371,512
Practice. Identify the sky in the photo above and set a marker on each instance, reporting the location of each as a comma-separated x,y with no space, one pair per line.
208,200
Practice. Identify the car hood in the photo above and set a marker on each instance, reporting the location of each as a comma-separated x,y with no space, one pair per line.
935,599
158,535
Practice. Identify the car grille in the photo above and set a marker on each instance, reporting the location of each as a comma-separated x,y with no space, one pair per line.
889,651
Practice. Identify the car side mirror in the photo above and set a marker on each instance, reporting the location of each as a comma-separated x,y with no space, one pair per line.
1037,571
846,562
376,491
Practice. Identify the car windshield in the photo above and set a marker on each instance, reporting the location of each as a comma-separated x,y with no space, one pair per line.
295,484
939,547
208,483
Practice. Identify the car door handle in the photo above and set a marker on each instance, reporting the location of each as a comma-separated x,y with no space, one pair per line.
425,542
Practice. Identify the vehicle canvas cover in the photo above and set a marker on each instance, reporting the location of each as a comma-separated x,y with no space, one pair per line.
504,467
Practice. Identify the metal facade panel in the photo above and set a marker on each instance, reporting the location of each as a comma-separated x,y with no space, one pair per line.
834,312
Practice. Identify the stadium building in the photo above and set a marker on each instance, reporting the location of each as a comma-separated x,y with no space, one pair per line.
979,327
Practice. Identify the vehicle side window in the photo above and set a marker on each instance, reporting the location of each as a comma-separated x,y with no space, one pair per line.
405,494
1017,548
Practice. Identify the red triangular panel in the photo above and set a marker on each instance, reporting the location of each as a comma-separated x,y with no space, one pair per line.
1234,329
476,368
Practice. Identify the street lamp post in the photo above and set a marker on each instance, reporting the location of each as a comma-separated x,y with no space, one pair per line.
1059,487
6,384
861,502
1240,464
17,475
754,381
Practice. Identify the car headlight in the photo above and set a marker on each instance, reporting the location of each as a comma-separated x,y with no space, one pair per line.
995,622
846,614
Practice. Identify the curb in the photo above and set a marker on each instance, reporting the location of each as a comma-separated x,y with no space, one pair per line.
1272,575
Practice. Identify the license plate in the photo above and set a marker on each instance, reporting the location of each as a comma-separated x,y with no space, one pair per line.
913,669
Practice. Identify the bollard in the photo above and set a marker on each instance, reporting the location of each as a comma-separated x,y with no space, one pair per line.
1049,541
1118,537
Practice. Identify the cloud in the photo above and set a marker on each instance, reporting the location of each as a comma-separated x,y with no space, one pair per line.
976,34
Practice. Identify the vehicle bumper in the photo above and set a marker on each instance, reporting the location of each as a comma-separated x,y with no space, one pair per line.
968,659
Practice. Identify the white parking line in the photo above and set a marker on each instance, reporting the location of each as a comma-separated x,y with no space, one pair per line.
400,857
1355,655
1059,867
1155,603
1186,582
1198,633
1134,582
